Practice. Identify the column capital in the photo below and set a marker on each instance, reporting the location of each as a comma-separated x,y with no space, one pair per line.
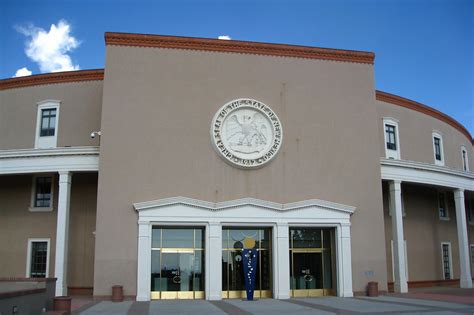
459,193
65,176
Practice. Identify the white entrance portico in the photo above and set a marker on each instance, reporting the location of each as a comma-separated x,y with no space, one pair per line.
181,211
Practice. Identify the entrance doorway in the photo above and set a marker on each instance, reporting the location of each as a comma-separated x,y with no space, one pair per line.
312,262
233,241
177,263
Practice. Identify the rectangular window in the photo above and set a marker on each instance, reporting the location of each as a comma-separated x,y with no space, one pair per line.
465,165
437,145
48,122
442,208
43,192
38,259
446,252
390,137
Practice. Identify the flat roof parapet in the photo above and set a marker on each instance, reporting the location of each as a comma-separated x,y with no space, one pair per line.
234,46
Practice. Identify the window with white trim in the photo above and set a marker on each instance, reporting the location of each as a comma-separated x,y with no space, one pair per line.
392,140
446,260
37,264
443,206
465,159
438,148
42,193
46,124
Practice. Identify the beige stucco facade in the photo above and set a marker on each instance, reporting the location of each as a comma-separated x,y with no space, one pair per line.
153,106
19,224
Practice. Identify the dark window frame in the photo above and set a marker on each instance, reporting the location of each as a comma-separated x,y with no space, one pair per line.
48,129
442,206
43,192
391,137
446,261
464,159
38,259
437,147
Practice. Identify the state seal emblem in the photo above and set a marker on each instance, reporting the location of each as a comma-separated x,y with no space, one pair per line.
246,133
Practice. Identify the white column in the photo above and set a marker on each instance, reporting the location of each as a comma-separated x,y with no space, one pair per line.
62,231
144,262
465,277
346,261
282,265
400,281
214,262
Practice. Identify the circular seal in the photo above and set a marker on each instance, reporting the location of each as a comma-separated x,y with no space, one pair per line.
246,133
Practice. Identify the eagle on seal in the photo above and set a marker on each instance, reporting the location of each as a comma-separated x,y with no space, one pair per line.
248,134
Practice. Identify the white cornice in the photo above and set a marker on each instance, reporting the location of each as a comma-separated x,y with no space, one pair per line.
417,172
21,153
217,206
49,160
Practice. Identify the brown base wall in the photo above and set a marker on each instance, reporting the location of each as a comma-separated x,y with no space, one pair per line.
80,290
365,293
109,297
427,283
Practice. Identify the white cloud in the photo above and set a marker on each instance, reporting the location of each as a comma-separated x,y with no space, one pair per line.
224,37
49,49
23,72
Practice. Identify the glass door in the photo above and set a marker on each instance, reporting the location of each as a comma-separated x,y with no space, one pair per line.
311,262
177,263
233,242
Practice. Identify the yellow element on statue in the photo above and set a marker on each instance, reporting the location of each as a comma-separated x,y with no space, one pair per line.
249,243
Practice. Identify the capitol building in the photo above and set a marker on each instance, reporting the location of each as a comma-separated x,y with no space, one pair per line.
155,173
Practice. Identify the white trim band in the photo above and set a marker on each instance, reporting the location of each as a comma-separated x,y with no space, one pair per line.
424,173
49,160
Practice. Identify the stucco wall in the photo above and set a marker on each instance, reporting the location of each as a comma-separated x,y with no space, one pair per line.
416,140
79,113
157,110
424,232
18,224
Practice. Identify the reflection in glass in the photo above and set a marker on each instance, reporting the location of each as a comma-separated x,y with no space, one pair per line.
177,261
311,261
233,241
178,238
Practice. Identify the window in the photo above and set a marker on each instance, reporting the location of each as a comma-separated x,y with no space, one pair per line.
46,124
465,161
390,136
438,148
42,193
446,260
437,144
37,264
392,146
442,206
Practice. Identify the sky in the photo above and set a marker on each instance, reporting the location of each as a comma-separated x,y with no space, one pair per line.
424,48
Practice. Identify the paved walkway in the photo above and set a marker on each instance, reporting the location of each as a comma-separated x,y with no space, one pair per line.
391,304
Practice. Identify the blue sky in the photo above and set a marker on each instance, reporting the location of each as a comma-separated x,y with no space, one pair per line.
424,48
